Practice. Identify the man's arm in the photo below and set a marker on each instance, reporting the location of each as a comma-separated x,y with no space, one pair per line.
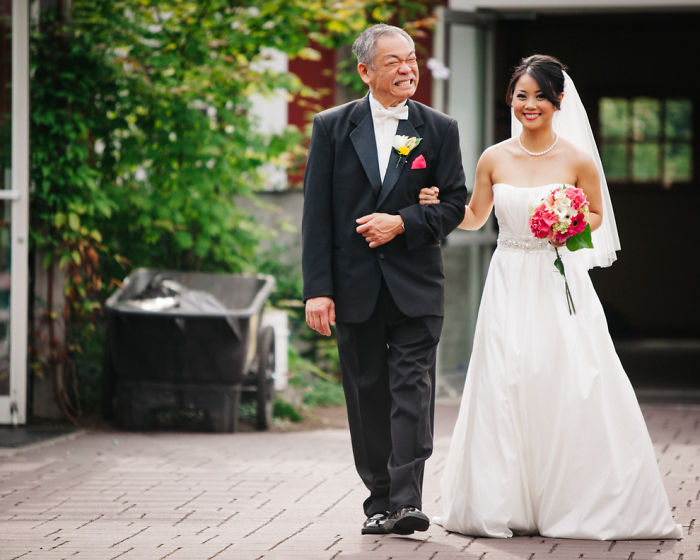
428,224
317,216
317,232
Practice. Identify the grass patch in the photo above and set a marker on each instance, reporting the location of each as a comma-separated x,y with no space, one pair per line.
286,411
282,410
321,392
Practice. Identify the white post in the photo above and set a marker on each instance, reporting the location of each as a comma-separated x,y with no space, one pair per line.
19,278
279,321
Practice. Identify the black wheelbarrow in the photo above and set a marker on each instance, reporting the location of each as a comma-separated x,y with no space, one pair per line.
182,346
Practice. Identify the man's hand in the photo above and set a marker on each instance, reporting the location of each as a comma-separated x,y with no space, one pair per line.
378,228
320,314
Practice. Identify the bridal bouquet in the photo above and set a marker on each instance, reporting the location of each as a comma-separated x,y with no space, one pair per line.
562,218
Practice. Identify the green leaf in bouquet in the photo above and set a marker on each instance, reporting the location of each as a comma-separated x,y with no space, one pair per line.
580,241
559,264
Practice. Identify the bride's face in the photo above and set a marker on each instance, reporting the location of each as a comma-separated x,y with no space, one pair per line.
530,106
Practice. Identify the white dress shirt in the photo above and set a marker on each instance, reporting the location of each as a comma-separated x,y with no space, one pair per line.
386,121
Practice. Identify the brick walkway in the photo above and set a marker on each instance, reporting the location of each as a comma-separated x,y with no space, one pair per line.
287,496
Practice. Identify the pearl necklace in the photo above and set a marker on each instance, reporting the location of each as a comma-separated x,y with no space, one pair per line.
535,154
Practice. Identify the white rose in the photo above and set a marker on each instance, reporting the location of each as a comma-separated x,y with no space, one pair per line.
399,141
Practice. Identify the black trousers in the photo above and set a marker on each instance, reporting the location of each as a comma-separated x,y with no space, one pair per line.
388,370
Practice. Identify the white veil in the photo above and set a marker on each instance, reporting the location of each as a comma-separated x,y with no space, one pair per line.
571,123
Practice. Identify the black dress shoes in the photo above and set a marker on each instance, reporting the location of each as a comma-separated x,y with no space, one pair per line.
374,525
406,520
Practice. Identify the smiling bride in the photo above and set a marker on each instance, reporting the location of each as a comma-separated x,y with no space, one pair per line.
550,438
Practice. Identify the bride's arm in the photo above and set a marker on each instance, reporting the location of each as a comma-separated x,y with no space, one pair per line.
477,211
589,181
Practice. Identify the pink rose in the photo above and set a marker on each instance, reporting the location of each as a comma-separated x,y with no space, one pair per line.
541,222
577,197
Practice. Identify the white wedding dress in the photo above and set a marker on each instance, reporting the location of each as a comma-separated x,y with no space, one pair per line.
550,438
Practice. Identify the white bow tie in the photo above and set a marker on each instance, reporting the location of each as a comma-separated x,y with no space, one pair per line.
398,113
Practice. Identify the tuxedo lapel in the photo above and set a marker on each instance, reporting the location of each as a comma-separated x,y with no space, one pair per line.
365,145
394,171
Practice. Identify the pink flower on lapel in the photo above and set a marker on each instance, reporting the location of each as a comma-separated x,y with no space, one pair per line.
418,163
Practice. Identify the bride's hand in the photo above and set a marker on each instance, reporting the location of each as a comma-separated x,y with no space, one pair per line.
429,195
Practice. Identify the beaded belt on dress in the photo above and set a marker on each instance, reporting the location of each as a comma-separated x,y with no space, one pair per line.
522,243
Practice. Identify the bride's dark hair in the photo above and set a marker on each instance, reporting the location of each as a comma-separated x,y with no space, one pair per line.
547,71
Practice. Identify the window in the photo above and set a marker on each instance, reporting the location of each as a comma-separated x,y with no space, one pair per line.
646,140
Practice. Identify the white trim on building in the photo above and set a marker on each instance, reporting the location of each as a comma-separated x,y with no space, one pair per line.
271,111
13,407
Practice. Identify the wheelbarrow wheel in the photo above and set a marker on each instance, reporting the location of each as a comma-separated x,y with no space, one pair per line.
265,394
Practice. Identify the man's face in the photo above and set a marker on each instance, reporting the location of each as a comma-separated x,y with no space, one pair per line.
395,73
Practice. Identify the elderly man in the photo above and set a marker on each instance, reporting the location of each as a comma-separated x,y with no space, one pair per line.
372,266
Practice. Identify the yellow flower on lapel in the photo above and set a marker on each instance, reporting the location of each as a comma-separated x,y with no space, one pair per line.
403,146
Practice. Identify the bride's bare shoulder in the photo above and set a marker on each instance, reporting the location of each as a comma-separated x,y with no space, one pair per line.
497,151
576,154
577,157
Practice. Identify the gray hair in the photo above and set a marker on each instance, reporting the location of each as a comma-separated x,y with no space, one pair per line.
364,45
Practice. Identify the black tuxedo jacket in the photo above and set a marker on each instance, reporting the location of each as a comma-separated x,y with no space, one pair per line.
342,183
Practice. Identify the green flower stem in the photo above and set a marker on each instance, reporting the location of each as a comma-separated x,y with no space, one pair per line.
559,264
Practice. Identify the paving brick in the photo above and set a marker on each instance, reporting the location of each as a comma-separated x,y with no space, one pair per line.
275,496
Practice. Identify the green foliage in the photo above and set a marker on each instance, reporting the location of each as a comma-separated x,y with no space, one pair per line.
321,392
69,206
182,129
317,375
281,411
286,411
289,286
318,386
247,410
87,362
69,98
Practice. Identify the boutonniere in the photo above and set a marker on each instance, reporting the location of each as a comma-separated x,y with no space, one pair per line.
404,145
